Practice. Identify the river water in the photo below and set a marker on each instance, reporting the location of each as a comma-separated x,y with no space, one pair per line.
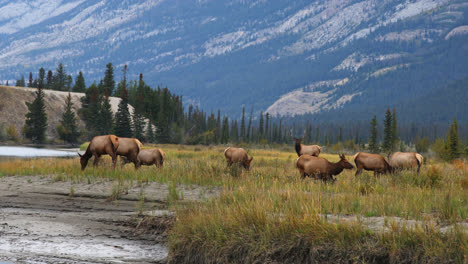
28,152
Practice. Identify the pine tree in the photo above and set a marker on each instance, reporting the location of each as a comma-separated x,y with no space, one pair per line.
394,130
80,86
218,126
30,80
109,82
20,82
123,123
388,132
50,80
149,132
373,146
225,131
267,126
260,127
41,77
234,131
242,125
453,142
106,120
122,83
59,79
67,128
36,118
90,109
249,127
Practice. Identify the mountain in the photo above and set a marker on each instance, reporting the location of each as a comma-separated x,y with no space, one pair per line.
332,59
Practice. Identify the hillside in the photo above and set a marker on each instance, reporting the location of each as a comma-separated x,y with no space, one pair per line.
13,107
324,58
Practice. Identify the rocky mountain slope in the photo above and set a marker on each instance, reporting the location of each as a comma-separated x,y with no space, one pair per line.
13,107
284,57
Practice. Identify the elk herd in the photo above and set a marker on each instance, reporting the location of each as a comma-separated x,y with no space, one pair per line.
309,163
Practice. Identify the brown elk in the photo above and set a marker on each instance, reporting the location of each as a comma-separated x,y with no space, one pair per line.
371,162
237,155
405,160
151,156
320,168
301,149
100,145
128,149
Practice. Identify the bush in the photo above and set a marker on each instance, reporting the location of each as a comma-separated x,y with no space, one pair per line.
439,147
3,135
12,133
422,145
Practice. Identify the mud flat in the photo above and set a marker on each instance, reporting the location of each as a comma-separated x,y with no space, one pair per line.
42,221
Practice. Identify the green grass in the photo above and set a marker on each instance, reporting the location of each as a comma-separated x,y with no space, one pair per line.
268,213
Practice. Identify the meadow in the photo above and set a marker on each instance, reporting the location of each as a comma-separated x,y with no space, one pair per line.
270,215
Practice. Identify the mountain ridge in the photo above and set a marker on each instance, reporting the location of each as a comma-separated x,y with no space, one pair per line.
241,53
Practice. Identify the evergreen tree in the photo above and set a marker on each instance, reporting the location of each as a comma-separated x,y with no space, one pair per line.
242,125
123,125
249,127
373,146
106,120
36,118
122,83
80,86
41,78
225,131
453,142
109,82
20,82
68,83
30,80
59,79
90,110
67,128
50,80
267,126
388,132
218,126
340,135
260,127
394,130
149,132
234,131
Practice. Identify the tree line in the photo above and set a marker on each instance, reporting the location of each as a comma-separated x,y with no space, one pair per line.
158,116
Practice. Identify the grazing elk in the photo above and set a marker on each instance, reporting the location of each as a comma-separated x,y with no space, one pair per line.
320,168
100,145
371,162
237,155
405,160
151,156
301,149
128,149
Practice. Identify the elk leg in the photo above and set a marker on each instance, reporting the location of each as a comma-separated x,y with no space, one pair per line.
358,171
114,159
96,160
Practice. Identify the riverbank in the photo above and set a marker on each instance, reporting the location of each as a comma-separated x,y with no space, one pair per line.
47,221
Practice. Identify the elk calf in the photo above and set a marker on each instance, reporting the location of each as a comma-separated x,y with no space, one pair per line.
237,155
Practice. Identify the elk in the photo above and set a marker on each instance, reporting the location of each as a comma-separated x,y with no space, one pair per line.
100,145
320,168
301,149
128,149
237,155
151,156
405,160
371,162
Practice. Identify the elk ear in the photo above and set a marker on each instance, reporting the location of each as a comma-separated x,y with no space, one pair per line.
251,158
80,155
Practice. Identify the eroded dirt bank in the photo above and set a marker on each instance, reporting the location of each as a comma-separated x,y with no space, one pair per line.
41,223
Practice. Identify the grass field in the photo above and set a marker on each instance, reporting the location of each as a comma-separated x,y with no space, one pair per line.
269,214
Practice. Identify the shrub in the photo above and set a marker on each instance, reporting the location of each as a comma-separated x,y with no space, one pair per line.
12,133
